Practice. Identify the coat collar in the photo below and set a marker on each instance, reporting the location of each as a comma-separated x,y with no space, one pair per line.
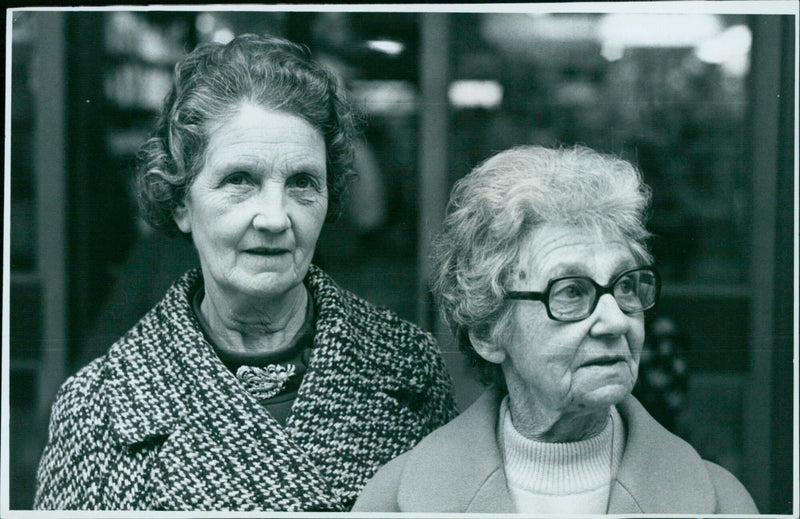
459,467
165,383
155,371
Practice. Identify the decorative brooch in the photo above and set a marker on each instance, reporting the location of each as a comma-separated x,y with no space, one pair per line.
264,383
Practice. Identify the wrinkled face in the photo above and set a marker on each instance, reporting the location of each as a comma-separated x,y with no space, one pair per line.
576,366
256,208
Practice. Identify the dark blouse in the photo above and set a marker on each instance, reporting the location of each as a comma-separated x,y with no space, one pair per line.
298,354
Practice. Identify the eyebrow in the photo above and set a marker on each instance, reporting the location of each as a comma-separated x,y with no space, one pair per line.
568,269
256,163
240,161
579,269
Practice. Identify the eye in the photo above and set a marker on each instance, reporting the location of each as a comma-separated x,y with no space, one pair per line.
302,181
237,178
569,289
626,285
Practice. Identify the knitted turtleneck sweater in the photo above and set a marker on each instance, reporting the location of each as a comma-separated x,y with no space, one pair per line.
563,478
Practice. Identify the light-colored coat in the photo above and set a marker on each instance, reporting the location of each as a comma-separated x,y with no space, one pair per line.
458,468
159,423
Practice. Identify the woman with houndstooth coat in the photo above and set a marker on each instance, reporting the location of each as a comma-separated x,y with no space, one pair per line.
256,383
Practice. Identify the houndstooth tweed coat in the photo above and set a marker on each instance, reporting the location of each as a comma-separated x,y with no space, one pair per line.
159,423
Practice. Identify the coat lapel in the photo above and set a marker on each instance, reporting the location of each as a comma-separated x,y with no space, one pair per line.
659,472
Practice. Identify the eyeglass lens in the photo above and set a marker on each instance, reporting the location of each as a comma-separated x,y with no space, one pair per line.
576,297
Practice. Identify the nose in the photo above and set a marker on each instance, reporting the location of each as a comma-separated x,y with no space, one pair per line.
270,211
609,320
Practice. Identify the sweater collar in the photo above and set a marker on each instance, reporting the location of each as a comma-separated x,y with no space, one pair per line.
561,468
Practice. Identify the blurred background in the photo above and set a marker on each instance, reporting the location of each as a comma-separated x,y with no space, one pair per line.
703,103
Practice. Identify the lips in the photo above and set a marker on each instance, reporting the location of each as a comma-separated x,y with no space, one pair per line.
604,361
267,251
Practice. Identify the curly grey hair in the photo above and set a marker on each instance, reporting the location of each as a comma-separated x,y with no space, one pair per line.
208,85
499,204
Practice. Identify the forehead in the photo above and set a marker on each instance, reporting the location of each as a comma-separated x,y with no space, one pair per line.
558,250
252,131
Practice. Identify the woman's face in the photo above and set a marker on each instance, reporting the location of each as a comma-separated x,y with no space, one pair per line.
558,367
256,208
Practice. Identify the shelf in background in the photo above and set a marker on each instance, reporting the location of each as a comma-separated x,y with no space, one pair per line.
25,278
726,291
24,364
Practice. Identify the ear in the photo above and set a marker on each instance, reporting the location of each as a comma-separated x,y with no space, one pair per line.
487,349
181,216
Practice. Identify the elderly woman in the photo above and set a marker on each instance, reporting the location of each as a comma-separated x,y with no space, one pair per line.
256,383
543,276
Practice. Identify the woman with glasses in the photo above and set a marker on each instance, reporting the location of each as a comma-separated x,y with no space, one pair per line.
544,276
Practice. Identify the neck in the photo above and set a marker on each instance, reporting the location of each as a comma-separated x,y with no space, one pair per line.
239,325
556,427
538,422
536,418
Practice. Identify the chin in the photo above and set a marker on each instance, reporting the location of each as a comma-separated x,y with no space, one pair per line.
267,284
275,286
606,396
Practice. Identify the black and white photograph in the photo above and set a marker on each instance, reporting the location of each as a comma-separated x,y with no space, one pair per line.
526,260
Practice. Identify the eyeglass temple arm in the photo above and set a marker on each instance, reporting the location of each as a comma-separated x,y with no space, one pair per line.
532,296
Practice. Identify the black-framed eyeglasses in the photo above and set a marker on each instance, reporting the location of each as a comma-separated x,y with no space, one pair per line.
574,298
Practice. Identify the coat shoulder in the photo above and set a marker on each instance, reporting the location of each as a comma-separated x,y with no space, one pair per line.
398,349
367,317
78,395
78,417
732,496
379,322
662,473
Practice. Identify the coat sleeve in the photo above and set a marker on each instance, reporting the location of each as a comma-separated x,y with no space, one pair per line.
380,492
732,496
